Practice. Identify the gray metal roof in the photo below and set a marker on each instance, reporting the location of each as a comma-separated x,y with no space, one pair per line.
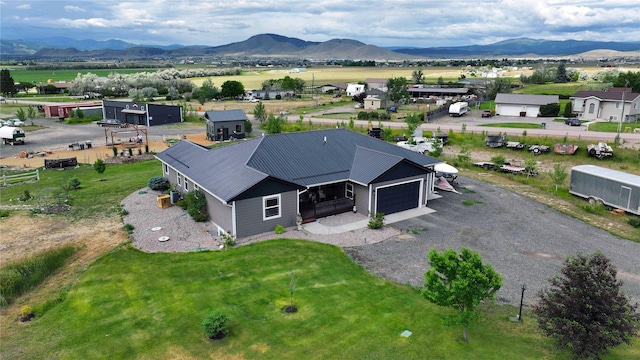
225,115
526,99
302,158
606,95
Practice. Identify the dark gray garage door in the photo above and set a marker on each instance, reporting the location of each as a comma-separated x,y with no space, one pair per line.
398,198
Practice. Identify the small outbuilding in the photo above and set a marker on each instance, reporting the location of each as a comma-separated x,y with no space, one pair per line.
136,113
225,124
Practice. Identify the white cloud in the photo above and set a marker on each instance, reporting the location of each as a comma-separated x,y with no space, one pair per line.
74,8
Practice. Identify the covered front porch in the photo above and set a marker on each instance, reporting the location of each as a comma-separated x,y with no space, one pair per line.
325,200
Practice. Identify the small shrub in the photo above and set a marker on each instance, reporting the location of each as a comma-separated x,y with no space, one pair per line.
128,228
130,152
124,212
499,160
25,196
216,325
158,183
182,204
279,229
200,217
376,221
74,184
634,221
25,310
4,213
115,151
229,240
99,166
596,209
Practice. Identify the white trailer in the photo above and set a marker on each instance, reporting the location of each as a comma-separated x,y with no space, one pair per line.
612,188
458,108
11,135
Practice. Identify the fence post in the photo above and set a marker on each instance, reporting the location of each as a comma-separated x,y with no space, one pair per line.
4,180
37,175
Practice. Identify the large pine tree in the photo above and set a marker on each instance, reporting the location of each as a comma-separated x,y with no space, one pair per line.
585,310
7,85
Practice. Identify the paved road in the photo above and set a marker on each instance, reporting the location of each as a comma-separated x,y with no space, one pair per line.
524,240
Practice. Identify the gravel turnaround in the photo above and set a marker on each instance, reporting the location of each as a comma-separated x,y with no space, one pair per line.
525,241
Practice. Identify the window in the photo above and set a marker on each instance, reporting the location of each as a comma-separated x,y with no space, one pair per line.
179,180
238,128
349,191
195,187
618,105
186,184
271,206
592,107
166,168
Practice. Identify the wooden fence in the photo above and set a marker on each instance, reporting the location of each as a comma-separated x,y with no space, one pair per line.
22,177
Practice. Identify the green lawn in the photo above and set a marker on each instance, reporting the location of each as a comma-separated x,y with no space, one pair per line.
132,305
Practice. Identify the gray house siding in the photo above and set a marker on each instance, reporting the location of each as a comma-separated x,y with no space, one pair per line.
249,214
164,114
150,114
225,130
219,213
362,199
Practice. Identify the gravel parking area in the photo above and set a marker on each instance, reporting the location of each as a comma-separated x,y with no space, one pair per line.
525,241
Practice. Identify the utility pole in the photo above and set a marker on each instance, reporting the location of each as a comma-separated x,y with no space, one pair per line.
622,114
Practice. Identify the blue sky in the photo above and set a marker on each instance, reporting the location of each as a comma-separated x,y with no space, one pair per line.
383,23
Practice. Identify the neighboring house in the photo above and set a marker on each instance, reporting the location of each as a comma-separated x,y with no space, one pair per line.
606,105
355,89
270,94
522,104
251,186
419,91
51,87
376,83
225,124
137,113
372,102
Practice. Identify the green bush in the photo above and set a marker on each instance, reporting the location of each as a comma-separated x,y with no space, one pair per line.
215,325
197,205
279,229
73,184
182,204
115,151
99,166
596,209
4,213
158,183
20,277
128,228
634,221
376,221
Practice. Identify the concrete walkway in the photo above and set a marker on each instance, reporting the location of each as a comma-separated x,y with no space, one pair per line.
325,226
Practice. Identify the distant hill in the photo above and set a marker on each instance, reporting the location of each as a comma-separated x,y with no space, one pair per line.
522,46
272,45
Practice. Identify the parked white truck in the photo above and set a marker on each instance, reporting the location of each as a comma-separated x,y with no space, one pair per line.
609,187
11,135
458,108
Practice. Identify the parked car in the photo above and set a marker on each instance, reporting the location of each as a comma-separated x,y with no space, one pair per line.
111,123
16,122
486,113
573,121
495,141
254,100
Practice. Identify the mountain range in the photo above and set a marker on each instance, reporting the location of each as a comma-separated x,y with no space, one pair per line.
272,45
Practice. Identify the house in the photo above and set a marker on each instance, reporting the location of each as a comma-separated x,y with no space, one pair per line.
423,92
251,186
137,113
335,88
270,94
376,83
225,124
355,89
372,102
522,104
607,105
53,87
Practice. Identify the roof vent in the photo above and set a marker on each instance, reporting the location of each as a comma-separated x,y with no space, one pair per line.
324,140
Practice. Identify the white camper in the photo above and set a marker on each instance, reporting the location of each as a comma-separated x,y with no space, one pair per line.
458,108
11,135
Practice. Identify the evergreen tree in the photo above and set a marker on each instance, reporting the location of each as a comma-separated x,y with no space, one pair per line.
561,74
7,85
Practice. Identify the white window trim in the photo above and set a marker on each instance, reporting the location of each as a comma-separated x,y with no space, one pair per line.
347,191
186,184
166,168
179,179
264,207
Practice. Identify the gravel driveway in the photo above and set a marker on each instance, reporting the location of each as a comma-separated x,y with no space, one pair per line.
524,240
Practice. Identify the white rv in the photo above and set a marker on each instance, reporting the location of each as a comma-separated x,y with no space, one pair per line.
11,135
458,108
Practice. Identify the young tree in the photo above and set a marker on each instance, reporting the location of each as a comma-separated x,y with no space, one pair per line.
413,121
460,281
7,85
274,124
99,166
21,114
558,175
417,76
397,90
31,112
260,113
585,309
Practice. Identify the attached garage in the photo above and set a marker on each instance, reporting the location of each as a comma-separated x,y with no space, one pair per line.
396,198
523,105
